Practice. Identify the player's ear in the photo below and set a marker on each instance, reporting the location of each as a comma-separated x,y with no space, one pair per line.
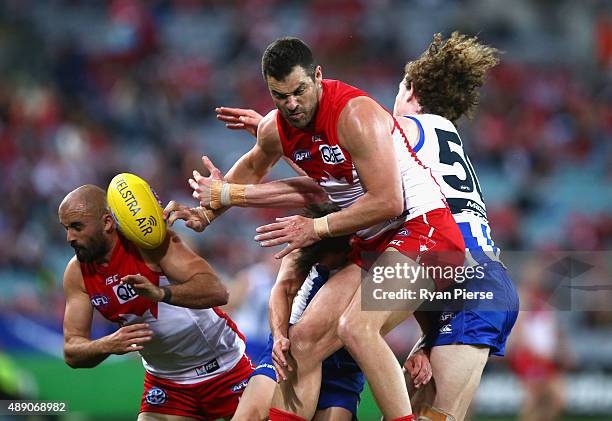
409,91
318,74
108,222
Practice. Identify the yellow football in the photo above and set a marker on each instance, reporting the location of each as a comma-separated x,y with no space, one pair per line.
136,210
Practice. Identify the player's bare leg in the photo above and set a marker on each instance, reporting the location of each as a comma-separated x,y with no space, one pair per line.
421,397
333,414
457,370
544,399
362,334
557,398
422,400
313,339
154,416
256,400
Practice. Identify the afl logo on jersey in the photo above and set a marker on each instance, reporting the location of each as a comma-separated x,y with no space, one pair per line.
99,301
445,317
156,396
302,155
238,387
332,154
124,293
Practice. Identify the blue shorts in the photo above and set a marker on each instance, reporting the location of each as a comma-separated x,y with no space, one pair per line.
485,322
341,384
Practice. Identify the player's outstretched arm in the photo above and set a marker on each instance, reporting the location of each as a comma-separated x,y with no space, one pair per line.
290,193
286,287
194,284
80,351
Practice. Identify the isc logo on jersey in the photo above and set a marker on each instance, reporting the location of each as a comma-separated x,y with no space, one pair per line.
207,368
124,293
112,279
332,154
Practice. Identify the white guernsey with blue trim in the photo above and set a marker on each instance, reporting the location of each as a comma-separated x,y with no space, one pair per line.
440,148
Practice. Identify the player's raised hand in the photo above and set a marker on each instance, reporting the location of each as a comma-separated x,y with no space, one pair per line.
203,186
297,231
280,352
195,218
127,339
239,119
143,287
418,367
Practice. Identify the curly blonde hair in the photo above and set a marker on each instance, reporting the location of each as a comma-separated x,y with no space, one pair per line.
446,76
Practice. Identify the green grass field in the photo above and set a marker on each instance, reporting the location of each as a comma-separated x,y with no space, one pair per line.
112,390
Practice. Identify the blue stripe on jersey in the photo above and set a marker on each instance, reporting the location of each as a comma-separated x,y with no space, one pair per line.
419,145
318,282
485,235
471,243
466,231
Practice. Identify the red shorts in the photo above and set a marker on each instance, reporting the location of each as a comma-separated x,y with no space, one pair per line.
207,400
530,367
432,239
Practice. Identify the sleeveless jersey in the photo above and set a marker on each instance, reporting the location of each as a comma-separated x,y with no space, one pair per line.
188,345
440,149
314,281
318,152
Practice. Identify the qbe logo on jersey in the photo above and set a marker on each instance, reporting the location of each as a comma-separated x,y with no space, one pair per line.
332,154
124,293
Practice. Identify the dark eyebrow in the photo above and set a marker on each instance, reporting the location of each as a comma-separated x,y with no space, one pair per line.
300,86
73,225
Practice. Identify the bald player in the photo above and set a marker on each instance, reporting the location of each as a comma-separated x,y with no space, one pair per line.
164,301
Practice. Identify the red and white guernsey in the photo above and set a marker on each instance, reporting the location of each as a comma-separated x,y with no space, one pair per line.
188,346
318,152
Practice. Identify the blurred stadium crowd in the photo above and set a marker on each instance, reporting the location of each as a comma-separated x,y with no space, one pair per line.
91,89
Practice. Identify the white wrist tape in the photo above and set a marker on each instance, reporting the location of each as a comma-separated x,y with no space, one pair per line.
321,227
225,199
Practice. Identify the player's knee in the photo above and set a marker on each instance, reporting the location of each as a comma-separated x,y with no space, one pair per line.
252,413
350,332
303,339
